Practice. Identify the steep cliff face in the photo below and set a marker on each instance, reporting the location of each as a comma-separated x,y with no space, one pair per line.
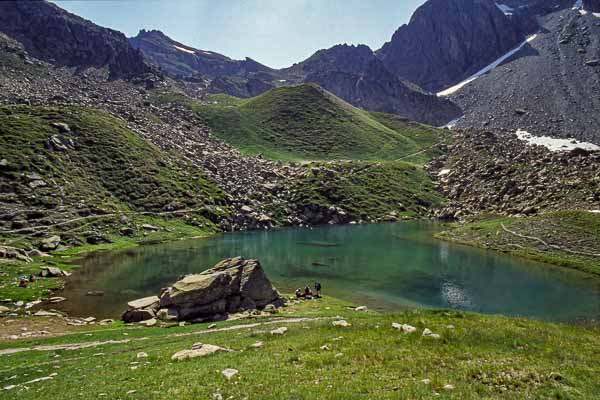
449,40
354,74
591,5
54,35
177,59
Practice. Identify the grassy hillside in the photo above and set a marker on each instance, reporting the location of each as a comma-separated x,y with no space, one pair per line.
476,357
568,238
90,165
367,190
307,122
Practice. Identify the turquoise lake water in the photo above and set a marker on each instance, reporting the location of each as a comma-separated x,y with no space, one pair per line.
387,267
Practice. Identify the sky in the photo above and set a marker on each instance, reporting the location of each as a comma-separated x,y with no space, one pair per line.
277,33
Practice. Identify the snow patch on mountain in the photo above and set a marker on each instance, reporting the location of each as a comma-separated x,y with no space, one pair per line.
507,10
554,144
485,70
184,50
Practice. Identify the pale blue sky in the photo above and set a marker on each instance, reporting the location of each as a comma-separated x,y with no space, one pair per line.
274,32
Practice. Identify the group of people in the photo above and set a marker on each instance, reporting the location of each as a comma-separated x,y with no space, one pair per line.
308,294
24,281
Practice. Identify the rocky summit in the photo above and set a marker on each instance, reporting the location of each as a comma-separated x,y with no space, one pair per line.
52,34
446,41
231,286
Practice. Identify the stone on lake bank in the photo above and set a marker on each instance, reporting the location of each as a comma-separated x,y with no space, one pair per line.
233,285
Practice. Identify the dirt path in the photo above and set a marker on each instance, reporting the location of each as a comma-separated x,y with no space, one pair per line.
85,345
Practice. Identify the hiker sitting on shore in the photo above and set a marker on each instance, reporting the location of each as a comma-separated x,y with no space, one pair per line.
308,293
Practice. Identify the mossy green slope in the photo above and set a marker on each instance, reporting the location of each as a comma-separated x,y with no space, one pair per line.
307,122
102,167
566,238
367,190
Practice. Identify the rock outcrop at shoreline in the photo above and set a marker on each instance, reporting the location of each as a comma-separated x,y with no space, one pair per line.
231,286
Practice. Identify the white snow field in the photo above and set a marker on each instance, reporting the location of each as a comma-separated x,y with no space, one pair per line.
485,70
554,144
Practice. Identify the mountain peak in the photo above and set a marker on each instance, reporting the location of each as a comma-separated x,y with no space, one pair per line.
52,34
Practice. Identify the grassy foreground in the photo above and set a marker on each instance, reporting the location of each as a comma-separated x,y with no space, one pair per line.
307,122
566,238
476,357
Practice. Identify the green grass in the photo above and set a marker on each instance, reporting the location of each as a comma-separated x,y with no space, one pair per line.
106,169
574,230
483,357
306,122
367,190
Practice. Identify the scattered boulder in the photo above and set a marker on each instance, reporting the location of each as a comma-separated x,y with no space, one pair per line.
404,328
279,331
50,243
4,309
342,323
149,322
231,286
62,127
428,333
229,373
52,272
197,350
141,309
15,253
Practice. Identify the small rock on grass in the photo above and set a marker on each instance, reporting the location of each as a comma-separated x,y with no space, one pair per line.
198,350
325,348
149,322
279,331
428,333
448,387
142,355
229,373
342,323
404,327
361,308
257,345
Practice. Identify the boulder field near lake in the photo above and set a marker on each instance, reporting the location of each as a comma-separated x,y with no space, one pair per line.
478,116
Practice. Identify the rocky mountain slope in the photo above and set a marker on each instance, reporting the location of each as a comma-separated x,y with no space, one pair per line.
550,87
354,74
591,5
487,173
449,40
307,122
50,33
180,60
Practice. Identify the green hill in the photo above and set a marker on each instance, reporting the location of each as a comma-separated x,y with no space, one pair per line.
63,164
307,122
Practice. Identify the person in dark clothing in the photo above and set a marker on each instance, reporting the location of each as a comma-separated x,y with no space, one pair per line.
308,293
318,289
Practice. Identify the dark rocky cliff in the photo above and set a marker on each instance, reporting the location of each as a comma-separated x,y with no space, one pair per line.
54,35
354,74
179,60
448,40
591,5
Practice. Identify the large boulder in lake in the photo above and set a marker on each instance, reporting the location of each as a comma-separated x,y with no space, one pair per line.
231,286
